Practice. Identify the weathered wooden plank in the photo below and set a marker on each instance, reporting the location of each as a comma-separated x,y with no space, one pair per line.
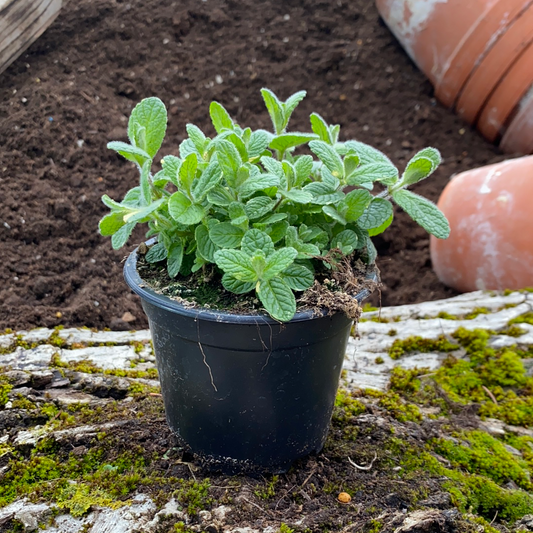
21,23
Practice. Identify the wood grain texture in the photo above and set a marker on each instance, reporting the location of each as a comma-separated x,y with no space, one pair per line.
21,23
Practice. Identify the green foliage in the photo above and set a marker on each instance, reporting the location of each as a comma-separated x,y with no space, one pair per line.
247,203
194,495
284,528
268,490
5,388
419,344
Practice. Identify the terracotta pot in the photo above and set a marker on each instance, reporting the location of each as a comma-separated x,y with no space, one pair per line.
519,135
494,67
447,38
507,96
490,215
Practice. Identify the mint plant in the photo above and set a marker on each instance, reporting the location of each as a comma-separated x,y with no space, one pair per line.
265,208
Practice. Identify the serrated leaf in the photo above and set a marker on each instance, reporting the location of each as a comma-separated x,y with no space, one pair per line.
351,162
197,137
328,199
298,277
421,166
273,218
329,157
132,198
151,115
317,188
278,299
220,196
236,286
305,250
187,171
376,231
112,204
367,154
320,127
156,253
237,264
256,183
329,179
226,235
385,173
273,166
239,144
206,246
277,230
259,206
298,196
220,117
171,165
424,212
290,105
136,215
334,214
255,240
275,109
334,130
119,239
345,241
129,152
354,204
208,180
258,143
229,160
111,223
303,167
186,148
278,261
237,213
376,214
175,259
182,210
290,140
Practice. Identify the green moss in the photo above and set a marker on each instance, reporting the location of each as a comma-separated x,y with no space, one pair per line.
398,408
193,495
419,344
374,526
368,308
284,528
446,316
379,360
268,490
380,320
478,452
406,381
476,312
22,403
5,389
526,318
392,332
513,331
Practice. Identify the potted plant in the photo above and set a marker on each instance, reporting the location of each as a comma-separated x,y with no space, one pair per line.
239,225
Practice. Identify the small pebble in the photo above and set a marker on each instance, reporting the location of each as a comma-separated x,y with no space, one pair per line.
344,497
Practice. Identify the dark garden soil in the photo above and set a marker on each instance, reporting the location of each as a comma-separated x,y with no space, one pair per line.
63,100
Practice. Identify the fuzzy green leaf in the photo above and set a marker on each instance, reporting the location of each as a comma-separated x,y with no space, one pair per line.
298,196
290,140
277,230
156,253
376,214
206,246
385,173
421,166
354,204
187,171
129,152
345,241
303,167
182,210
290,105
367,154
112,204
259,141
298,277
380,229
220,196
334,214
175,259
236,286
237,264
209,179
424,212
119,239
226,235
277,297
136,215
197,137
259,206
320,127
149,116
146,191
275,109
229,160
278,262
220,117
255,240
256,183
171,166
329,157
273,166
111,223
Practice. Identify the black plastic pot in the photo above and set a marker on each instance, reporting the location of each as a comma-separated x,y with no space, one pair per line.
245,392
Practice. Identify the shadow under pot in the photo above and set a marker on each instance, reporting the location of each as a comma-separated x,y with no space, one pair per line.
244,392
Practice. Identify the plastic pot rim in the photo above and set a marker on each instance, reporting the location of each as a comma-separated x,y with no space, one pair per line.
140,287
